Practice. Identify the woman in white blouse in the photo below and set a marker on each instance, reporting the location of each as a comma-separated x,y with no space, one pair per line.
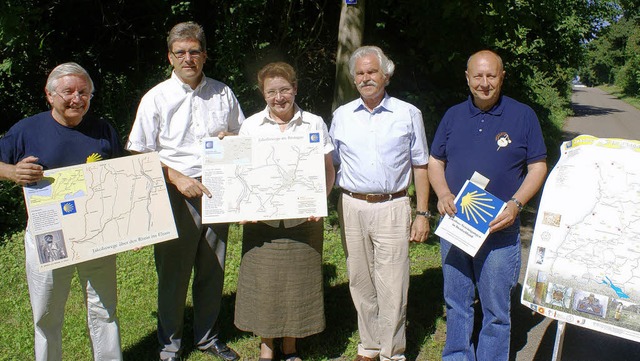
280,293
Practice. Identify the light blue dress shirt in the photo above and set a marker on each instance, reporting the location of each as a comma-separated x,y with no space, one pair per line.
375,150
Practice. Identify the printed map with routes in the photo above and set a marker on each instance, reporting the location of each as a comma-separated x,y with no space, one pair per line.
96,209
264,178
584,264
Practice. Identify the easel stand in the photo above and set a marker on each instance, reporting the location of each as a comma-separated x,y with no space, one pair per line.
557,346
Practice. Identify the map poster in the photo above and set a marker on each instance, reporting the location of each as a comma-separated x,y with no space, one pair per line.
469,228
583,267
264,177
96,209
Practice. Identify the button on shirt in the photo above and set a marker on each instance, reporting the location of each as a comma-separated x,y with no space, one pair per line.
262,124
173,119
375,150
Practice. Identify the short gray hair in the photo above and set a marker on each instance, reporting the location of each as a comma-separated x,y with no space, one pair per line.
66,69
386,65
187,31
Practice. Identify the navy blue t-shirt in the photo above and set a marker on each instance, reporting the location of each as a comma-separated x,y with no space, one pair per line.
498,143
58,146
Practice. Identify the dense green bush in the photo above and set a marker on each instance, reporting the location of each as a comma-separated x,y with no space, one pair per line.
12,212
551,106
628,76
612,58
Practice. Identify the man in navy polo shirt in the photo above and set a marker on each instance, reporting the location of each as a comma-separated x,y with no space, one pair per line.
501,139
63,136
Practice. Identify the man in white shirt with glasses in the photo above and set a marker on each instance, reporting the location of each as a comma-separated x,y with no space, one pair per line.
172,119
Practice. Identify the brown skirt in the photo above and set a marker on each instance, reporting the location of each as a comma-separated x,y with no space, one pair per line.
280,291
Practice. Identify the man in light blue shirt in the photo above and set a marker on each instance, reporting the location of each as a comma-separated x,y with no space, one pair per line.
379,144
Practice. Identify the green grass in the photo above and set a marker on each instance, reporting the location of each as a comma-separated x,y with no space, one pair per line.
137,307
618,92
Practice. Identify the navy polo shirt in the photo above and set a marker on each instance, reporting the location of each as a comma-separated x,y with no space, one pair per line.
498,143
58,146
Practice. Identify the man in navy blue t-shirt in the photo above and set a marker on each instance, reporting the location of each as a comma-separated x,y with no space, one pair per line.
63,137
501,139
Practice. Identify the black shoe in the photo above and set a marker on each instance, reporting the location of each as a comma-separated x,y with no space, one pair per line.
221,350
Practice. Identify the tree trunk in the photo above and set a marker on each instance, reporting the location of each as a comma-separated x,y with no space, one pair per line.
350,36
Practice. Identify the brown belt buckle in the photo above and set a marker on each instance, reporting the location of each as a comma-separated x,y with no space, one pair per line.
377,198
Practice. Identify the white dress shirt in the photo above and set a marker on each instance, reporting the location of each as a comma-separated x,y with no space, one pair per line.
172,119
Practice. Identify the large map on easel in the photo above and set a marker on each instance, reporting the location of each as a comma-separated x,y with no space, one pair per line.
584,263
96,209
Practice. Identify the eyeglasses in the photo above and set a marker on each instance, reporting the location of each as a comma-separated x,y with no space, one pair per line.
182,54
282,91
68,96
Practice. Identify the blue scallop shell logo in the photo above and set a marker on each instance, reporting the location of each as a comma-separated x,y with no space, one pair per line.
68,207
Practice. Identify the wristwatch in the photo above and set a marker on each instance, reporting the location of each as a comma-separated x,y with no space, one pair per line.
423,213
517,202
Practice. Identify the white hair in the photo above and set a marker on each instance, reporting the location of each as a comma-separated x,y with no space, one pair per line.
386,65
66,69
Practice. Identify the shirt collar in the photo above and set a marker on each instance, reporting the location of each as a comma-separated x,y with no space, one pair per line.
496,109
385,105
186,86
297,116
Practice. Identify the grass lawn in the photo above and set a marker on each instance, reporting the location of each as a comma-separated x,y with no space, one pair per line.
619,93
137,307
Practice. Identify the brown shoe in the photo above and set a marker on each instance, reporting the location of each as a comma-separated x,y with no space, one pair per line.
364,358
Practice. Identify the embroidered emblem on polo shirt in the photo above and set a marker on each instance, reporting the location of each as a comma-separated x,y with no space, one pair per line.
95,157
503,140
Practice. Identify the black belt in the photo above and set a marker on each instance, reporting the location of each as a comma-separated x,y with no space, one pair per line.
375,197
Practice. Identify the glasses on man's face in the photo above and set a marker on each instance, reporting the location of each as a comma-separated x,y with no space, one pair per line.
282,91
68,96
182,54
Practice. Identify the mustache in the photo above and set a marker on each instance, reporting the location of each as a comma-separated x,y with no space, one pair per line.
367,83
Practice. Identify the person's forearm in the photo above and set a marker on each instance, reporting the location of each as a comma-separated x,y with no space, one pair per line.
421,182
24,172
7,172
436,177
329,172
536,174
171,175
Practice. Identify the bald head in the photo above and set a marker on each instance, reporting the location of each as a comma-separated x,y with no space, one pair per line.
485,74
486,53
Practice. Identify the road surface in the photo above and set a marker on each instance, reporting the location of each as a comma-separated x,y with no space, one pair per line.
601,115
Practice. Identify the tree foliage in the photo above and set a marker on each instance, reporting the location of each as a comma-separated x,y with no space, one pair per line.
539,41
614,56
123,46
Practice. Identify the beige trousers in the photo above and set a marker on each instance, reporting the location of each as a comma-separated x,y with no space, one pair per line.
375,238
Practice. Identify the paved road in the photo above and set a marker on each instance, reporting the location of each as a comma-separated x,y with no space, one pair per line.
601,115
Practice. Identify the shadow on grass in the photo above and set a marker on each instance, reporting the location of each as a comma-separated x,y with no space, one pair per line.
147,347
424,307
